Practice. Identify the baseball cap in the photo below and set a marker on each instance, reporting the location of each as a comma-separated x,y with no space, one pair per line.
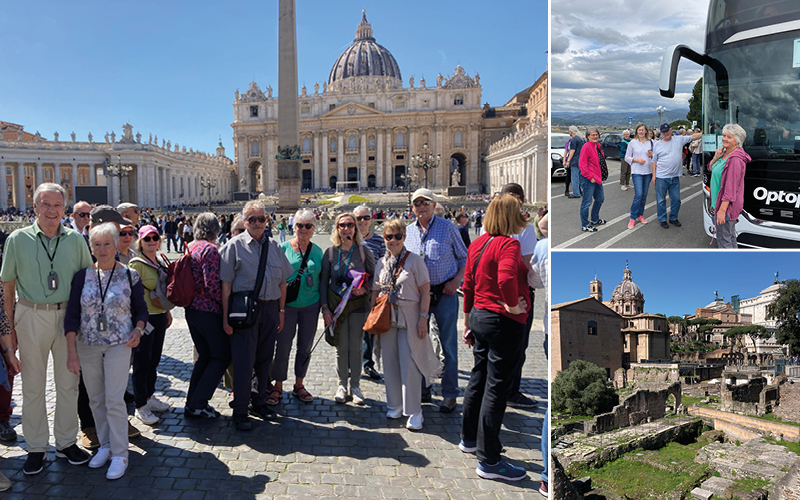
147,229
665,127
122,207
106,213
423,193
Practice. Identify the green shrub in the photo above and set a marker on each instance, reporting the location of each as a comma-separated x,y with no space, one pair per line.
583,389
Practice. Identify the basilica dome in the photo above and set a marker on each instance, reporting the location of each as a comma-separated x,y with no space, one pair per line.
365,58
627,288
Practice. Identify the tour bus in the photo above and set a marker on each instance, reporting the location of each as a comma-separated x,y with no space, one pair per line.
751,76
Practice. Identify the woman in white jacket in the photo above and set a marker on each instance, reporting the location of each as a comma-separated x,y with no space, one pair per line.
640,150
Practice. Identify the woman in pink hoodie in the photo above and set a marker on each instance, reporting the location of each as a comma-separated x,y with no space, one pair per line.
593,172
727,183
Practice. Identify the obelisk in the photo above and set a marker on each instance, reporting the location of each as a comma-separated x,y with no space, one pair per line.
288,157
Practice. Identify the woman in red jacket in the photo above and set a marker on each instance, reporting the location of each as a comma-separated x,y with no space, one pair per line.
593,172
495,284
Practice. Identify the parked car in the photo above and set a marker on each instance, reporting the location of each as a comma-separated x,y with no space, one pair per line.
609,141
557,167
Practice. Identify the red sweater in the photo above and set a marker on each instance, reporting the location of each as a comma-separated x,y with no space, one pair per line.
501,276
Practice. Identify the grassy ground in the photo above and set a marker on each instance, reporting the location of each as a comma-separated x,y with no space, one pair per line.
772,418
656,474
355,198
574,418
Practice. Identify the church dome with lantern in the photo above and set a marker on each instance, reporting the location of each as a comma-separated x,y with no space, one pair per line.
365,59
627,298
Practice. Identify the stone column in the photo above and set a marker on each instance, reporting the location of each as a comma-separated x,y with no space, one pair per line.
75,183
269,165
21,190
317,177
3,185
92,174
379,159
411,145
39,176
57,173
389,167
473,179
324,155
362,170
341,176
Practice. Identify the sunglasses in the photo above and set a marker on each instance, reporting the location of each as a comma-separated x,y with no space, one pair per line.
347,225
125,233
82,214
398,236
261,219
423,203
364,217
306,225
148,238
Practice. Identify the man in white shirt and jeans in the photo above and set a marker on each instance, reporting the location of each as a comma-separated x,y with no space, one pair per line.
667,156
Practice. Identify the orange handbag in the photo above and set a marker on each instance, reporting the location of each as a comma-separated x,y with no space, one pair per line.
379,319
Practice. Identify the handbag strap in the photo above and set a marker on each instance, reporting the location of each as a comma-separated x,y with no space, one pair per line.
475,267
262,266
399,268
305,259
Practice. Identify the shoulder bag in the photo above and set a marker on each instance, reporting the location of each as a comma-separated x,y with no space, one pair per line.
379,319
242,305
293,286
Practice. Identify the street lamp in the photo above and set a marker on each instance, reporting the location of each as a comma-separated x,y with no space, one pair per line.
661,110
425,161
407,178
208,184
119,171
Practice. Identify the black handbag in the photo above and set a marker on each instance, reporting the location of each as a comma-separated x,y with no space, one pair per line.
293,286
242,305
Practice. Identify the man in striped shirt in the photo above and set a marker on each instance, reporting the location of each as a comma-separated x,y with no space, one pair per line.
375,243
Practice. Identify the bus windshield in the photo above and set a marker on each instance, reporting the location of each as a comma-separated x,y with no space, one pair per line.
726,17
763,95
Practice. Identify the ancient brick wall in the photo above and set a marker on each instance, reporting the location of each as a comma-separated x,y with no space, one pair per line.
639,407
789,407
749,424
788,488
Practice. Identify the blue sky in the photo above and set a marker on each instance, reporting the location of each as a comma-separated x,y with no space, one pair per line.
673,283
171,68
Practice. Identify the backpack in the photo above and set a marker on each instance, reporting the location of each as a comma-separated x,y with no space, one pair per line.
180,281
158,296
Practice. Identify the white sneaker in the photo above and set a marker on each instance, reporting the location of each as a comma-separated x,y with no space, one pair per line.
358,398
146,416
117,468
153,404
100,459
415,422
394,413
341,395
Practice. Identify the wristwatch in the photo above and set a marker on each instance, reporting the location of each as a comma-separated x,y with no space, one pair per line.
5,351
141,332
425,315
281,310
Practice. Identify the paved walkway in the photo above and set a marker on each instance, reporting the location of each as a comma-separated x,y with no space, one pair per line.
317,450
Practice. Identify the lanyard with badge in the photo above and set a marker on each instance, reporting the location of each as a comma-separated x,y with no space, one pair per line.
102,323
341,281
427,233
52,278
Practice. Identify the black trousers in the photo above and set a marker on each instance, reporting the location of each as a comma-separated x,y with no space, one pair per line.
146,358
498,341
526,337
252,350
84,411
213,356
567,181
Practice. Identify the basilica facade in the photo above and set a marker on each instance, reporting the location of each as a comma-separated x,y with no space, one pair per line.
362,126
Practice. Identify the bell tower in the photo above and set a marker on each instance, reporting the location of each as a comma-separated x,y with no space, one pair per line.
596,289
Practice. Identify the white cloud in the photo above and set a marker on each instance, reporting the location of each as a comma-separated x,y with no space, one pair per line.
607,56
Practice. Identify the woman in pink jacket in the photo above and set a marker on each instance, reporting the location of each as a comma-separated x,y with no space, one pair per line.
727,183
593,172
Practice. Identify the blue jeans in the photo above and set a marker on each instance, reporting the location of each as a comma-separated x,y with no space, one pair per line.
575,173
591,190
641,185
446,314
697,163
673,186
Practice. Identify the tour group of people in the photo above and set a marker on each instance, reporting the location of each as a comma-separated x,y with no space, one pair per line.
649,157
93,296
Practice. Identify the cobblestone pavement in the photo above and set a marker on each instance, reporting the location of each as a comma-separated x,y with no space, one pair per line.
317,450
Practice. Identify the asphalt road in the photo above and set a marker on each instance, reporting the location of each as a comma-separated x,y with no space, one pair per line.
566,226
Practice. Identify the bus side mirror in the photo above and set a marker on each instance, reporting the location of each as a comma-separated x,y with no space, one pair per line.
669,71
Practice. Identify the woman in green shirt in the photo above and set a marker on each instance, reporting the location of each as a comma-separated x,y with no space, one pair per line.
301,314
147,356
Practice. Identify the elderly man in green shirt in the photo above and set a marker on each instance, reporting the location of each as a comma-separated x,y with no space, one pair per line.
38,266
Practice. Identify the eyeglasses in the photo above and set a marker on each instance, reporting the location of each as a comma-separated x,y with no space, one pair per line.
364,217
306,225
260,219
148,238
347,225
423,203
125,233
82,214
398,236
